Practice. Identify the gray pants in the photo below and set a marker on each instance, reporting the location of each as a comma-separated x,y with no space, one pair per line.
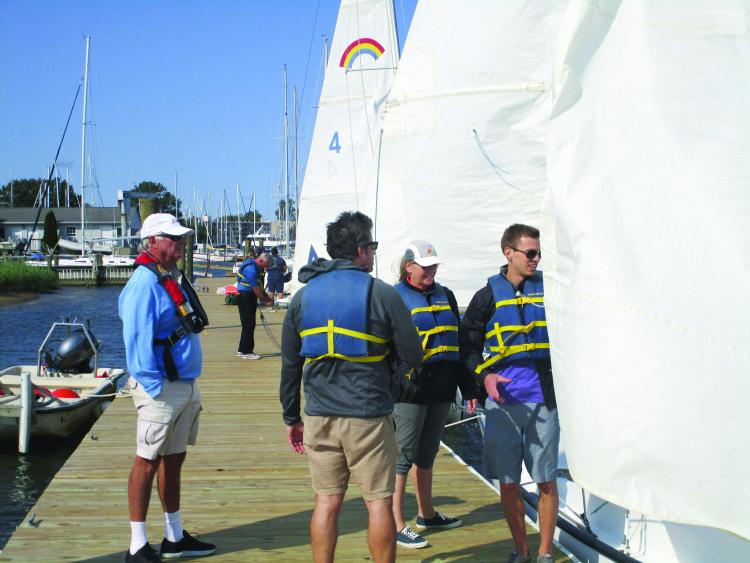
419,429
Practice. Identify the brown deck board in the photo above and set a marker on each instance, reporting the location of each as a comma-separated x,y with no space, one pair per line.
243,488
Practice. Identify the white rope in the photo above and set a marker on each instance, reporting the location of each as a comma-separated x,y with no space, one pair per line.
462,421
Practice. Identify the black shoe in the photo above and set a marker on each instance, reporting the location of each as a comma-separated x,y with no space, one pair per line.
143,555
188,546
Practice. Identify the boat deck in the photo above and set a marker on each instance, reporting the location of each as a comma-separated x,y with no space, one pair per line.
243,488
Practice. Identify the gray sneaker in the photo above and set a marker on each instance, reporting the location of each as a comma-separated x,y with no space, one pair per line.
516,557
407,537
546,558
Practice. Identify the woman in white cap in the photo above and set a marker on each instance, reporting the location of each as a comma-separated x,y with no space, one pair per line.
424,400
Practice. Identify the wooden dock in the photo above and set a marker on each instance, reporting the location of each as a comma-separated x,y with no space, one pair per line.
242,487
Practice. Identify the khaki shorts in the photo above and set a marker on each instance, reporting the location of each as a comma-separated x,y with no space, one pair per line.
339,446
168,422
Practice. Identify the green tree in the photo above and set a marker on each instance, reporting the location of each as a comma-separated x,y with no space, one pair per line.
166,200
26,191
50,237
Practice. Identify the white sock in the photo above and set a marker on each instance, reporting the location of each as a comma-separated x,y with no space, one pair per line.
173,526
137,536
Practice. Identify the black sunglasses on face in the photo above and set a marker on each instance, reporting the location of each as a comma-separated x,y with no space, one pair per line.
172,237
530,254
373,244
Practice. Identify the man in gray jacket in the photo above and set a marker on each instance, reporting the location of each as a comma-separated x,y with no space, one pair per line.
342,334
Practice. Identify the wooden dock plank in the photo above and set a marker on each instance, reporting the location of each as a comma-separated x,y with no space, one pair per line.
243,488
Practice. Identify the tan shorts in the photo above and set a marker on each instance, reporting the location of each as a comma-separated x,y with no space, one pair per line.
364,448
168,422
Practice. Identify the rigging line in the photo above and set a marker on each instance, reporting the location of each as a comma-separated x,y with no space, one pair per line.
54,166
309,51
364,97
377,189
351,142
498,170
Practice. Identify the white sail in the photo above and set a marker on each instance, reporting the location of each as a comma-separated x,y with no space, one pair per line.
645,256
463,147
359,73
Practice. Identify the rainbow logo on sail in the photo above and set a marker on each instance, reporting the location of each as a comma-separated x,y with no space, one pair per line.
359,47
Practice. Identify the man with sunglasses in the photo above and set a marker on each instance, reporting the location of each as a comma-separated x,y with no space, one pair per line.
343,333
161,318
503,339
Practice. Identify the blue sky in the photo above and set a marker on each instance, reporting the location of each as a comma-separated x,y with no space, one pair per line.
191,86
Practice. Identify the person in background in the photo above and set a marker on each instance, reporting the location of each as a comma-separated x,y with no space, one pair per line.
249,290
161,318
342,334
275,275
424,400
503,339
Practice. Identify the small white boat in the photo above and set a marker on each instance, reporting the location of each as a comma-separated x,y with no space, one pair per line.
56,396
62,402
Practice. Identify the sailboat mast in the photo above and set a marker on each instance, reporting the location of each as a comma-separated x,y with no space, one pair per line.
83,142
296,165
255,214
239,220
286,164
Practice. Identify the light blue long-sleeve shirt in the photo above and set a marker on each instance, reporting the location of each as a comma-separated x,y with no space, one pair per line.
147,312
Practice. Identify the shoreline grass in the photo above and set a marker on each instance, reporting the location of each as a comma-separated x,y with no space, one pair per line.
19,277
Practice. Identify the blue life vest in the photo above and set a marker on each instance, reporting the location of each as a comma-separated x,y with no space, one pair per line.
248,271
518,329
435,322
335,307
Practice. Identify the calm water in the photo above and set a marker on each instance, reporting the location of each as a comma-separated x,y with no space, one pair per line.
24,326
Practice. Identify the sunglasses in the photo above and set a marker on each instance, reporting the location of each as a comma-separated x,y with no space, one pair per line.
373,244
530,254
172,237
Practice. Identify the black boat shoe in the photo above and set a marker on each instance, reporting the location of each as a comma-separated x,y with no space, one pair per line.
143,555
188,546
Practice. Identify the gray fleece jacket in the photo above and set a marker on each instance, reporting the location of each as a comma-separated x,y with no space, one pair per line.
337,387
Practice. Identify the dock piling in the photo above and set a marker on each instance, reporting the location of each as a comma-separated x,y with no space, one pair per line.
24,421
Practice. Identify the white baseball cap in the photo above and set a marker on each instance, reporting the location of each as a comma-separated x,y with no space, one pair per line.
163,224
421,252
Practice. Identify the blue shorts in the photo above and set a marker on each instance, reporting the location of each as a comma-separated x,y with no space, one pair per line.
275,286
521,432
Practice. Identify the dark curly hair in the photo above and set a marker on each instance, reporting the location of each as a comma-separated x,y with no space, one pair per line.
350,230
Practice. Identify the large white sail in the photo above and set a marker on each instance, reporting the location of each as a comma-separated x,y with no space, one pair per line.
646,260
360,69
463,146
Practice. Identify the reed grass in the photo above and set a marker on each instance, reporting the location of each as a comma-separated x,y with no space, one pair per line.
17,276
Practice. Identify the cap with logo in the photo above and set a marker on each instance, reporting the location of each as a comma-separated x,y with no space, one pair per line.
421,252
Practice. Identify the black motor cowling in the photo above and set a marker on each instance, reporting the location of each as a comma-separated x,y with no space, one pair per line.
73,354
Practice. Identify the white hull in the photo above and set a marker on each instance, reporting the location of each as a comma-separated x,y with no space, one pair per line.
55,417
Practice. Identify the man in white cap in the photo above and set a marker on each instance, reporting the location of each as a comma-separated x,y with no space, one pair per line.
161,318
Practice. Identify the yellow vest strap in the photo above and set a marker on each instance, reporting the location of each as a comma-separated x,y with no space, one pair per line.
430,309
509,351
438,350
517,329
331,329
362,359
519,301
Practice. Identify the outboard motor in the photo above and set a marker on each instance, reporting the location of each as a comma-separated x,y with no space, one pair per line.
73,354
